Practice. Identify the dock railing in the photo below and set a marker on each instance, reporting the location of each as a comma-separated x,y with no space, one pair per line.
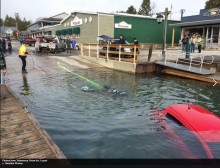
127,53
196,59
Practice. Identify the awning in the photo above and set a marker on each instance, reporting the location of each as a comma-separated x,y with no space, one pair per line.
196,23
76,30
58,32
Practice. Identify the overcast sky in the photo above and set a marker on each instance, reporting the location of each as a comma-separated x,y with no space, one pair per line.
33,9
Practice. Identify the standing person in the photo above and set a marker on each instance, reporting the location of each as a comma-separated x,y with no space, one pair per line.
1,45
4,45
68,45
199,43
21,40
192,43
121,41
23,55
136,43
73,44
9,46
183,43
2,70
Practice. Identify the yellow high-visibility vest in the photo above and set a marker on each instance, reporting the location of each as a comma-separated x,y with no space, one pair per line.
22,50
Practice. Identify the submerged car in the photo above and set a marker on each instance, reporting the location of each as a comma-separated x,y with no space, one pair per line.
203,126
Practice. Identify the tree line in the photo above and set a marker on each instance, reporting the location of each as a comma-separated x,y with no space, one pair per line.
9,21
147,8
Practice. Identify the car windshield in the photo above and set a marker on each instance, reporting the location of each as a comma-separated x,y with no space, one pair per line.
117,41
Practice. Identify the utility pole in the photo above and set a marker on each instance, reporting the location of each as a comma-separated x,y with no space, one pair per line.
182,12
16,19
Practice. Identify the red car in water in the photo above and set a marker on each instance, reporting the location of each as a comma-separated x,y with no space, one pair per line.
202,124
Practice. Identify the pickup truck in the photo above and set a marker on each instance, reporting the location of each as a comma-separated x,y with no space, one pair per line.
49,44
28,40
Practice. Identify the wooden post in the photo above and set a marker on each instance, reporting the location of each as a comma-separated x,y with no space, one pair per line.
150,52
173,35
97,51
81,49
89,50
135,53
119,53
107,51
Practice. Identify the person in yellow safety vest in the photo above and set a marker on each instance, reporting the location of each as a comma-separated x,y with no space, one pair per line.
199,43
23,55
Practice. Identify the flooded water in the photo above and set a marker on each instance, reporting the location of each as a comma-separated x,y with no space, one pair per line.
101,113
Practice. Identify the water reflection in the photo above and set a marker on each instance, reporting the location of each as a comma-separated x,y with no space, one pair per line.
25,87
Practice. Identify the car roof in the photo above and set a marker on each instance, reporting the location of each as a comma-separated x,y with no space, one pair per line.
125,41
198,119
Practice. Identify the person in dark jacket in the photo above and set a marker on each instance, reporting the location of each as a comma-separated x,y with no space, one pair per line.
68,45
122,41
9,46
136,43
2,70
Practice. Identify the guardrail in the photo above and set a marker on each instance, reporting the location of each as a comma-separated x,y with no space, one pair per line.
127,53
195,59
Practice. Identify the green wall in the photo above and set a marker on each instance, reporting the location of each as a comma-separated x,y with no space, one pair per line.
145,30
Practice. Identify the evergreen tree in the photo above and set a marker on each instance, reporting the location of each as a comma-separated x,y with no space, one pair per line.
212,4
1,22
9,21
131,10
145,8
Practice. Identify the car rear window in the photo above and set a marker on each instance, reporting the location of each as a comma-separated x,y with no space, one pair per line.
215,149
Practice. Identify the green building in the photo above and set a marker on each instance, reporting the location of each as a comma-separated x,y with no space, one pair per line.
86,26
145,28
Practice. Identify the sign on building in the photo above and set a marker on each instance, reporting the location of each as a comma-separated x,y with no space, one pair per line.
123,25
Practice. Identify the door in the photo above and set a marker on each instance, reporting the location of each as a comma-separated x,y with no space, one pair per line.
212,37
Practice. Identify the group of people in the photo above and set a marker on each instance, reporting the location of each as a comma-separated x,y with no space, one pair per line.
193,41
70,44
5,44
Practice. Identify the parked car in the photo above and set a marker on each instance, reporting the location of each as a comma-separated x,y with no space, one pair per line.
49,44
30,41
107,40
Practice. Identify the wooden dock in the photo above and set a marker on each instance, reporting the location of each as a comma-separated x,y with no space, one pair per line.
204,78
21,135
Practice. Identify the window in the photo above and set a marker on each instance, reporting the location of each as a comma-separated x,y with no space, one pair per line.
174,119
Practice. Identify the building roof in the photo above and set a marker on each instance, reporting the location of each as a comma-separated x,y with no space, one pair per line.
196,23
60,15
4,28
112,13
52,19
205,17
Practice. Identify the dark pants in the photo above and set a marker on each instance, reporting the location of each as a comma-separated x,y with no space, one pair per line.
23,59
68,49
199,48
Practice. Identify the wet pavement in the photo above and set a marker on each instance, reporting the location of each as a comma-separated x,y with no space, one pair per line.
43,63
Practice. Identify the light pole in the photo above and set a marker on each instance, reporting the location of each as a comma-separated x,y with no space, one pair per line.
159,20
16,19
